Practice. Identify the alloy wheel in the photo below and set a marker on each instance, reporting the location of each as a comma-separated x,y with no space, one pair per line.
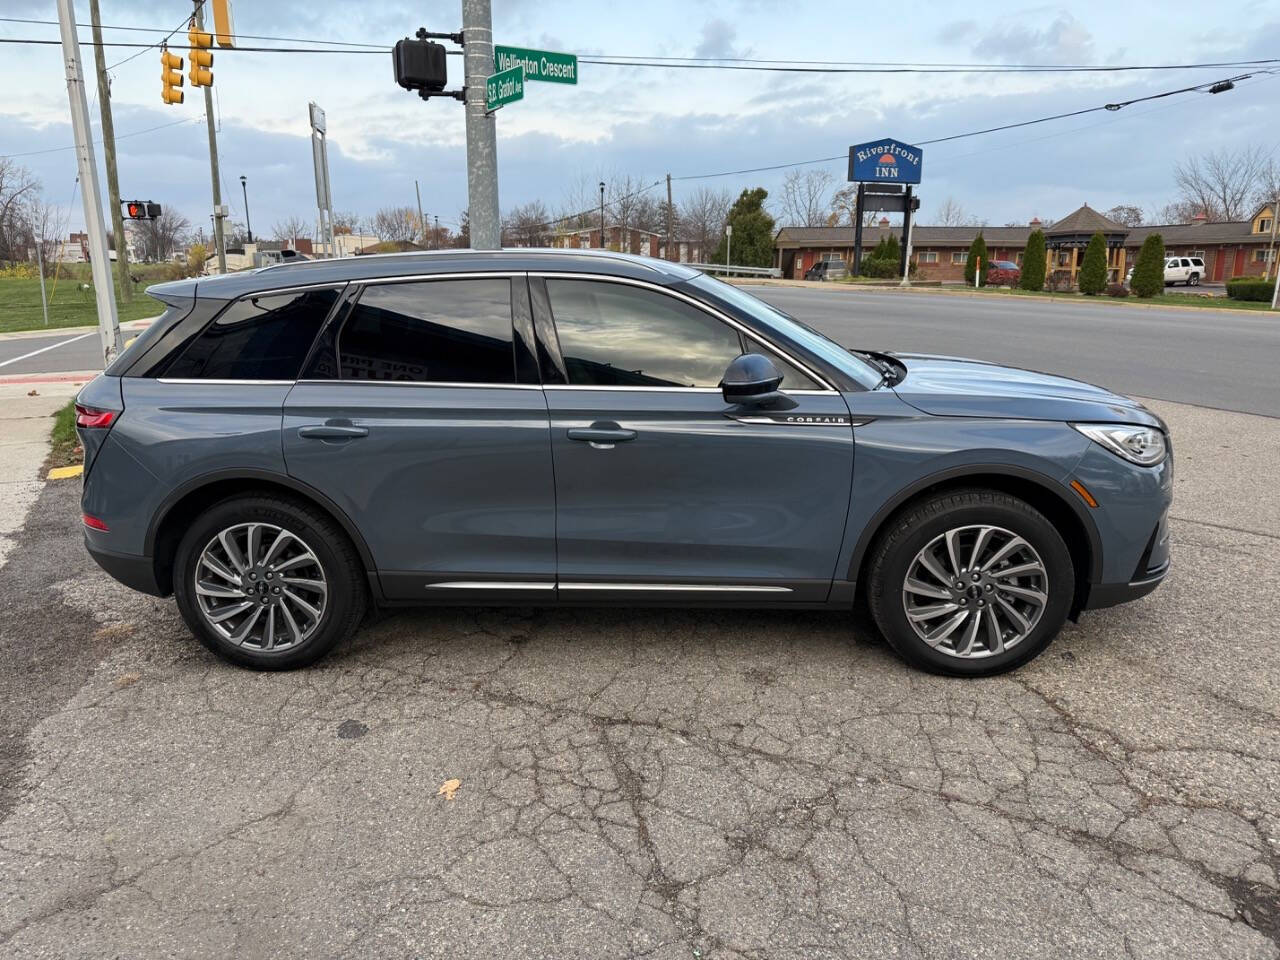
975,591
261,587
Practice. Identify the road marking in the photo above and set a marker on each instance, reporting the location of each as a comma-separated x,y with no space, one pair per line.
52,346
63,473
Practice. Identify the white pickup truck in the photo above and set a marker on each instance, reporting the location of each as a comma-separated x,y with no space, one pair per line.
1188,270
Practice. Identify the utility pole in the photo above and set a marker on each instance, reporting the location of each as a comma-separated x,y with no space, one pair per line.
422,223
482,136
213,159
100,262
1271,247
670,221
109,152
603,245
44,299
244,189
436,237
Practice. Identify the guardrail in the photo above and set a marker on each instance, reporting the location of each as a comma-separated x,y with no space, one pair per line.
735,271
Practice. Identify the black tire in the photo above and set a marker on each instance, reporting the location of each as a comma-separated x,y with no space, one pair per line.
1193,280
344,574
915,526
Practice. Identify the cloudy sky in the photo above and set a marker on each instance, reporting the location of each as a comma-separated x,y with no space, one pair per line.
646,122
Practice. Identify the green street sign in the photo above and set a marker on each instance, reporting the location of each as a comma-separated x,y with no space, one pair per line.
538,64
506,86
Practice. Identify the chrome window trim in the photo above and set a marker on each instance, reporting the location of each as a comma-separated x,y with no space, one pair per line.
273,291
490,585
696,304
425,277
430,383
258,383
678,587
715,390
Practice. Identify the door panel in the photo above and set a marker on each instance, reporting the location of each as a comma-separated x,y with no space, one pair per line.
696,496
448,484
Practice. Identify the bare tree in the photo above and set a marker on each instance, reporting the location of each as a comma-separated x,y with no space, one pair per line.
166,234
347,221
462,239
805,198
1221,183
527,225
844,207
17,188
397,225
290,228
702,217
952,214
632,205
1268,185
40,222
1125,213
579,204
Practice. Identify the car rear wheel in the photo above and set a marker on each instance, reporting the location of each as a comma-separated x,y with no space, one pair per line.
1193,280
268,583
970,583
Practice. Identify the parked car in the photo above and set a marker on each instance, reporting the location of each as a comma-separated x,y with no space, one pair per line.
1003,265
1188,270
284,449
1003,273
827,270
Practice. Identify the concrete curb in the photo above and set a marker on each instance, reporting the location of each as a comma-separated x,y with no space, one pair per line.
133,325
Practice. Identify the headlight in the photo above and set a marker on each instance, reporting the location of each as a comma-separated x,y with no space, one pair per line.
1144,446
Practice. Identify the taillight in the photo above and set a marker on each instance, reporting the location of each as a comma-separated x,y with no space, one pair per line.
92,418
93,522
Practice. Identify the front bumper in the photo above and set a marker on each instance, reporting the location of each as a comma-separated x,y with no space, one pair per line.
137,573
1103,595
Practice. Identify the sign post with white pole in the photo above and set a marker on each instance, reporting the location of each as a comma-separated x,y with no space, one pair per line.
728,243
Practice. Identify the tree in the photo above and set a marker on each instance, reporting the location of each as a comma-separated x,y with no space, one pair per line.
197,254
462,239
397,225
1125,213
977,251
166,234
347,221
526,226
844,207
804,198
290,228
702,217
1093,271
1221,183
1033,263
752,231
951,214
1268,184
17,189
1148,272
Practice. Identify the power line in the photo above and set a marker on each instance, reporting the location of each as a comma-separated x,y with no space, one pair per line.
119,136
241,36
159,43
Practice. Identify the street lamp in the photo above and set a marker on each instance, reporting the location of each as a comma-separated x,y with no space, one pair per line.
602,243
245,190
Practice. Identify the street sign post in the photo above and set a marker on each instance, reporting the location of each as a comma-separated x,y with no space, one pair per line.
538,64
506,86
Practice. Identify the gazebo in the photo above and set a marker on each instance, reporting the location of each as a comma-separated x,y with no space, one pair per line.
1067,238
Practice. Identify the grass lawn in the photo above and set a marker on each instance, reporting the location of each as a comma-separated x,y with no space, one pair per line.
1167,299
69,306
66,445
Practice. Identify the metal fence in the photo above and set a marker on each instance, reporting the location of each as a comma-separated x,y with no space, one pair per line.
735,271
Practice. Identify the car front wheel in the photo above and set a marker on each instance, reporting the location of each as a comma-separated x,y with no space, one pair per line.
268,583
970,583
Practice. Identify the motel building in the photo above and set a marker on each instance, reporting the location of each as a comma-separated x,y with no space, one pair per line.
1230,248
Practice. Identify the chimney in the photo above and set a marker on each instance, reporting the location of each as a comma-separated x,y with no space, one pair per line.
1200,218
1035,222
884,221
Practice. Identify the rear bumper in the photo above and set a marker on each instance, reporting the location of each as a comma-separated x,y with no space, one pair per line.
1110,594
137,573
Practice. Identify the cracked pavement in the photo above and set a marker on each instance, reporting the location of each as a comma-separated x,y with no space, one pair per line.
651,783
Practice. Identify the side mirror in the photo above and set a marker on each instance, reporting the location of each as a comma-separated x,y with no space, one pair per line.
751,379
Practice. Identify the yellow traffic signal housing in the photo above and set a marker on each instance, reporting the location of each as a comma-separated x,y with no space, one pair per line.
223,23
197,38
200,74
170,77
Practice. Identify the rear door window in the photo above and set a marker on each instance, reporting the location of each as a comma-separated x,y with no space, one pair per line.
435,331
259,337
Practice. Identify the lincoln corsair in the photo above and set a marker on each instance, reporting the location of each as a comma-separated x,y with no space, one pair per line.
287,447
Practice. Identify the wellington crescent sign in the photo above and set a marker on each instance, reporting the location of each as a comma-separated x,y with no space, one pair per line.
538,64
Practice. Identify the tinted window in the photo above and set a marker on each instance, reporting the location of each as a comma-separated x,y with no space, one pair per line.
438,331
257,338
615,335
792,377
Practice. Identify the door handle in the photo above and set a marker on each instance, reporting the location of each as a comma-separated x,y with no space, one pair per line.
332,431
602,436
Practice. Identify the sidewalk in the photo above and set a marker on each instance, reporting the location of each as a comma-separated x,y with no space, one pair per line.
130,327
25,424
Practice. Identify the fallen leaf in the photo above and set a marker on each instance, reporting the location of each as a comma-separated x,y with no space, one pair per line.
449,788
33,393
128,679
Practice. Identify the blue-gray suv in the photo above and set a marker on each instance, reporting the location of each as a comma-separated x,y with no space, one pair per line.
285,448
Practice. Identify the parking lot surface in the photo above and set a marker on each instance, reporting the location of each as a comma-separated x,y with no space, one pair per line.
649,783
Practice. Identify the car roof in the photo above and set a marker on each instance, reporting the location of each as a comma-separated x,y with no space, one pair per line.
423,263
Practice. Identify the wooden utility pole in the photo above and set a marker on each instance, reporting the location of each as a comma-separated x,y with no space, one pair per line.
109,151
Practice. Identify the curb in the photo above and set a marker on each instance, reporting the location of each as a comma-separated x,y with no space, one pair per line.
72,331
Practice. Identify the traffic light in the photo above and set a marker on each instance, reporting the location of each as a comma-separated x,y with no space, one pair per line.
141,210
420,65
200,74
170,77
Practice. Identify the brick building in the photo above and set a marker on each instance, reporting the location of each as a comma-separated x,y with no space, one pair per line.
1230,249
627,241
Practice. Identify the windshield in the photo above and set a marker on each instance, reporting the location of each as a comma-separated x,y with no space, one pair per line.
865,373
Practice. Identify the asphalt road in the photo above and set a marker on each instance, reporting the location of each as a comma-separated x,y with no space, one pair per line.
648,783
1217,358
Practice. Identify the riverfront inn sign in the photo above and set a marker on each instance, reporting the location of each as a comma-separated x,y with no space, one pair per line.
885,161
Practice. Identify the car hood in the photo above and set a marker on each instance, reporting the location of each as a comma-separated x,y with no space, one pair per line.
958,387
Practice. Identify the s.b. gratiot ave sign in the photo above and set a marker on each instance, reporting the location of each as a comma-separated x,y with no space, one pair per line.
885,161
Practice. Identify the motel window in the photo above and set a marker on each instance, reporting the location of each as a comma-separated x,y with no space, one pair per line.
959,256
1018,259
1064,258
1196,253
927,256
832,256
1263,256
1264,224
